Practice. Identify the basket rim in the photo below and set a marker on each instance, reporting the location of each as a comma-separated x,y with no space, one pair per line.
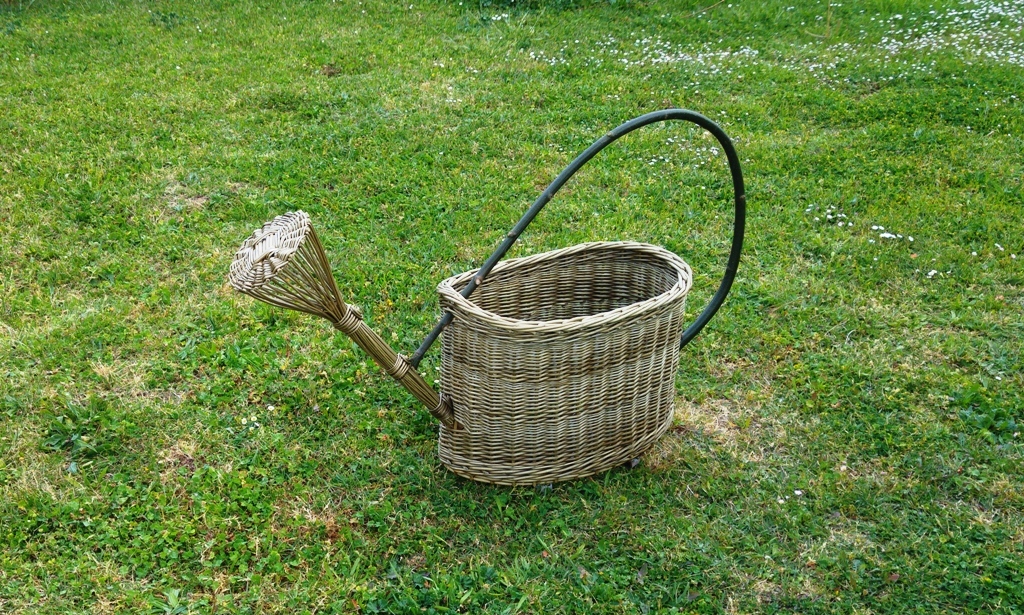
466,307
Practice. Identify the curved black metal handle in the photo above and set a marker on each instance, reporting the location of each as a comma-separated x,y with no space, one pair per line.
582,159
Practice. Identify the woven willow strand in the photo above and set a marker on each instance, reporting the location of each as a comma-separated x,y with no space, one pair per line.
284,264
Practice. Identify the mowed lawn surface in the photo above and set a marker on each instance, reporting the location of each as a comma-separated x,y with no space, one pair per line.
848,430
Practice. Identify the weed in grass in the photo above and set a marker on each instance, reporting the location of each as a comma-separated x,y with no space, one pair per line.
79,430
167,21
980,412
172,602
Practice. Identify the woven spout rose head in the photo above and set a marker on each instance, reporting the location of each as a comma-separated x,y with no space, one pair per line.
283,263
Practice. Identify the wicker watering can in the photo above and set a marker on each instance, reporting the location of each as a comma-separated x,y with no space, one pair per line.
561,365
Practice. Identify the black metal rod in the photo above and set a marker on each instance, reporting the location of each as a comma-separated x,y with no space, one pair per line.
582,159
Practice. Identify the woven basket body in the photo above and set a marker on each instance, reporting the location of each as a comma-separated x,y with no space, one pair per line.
562,364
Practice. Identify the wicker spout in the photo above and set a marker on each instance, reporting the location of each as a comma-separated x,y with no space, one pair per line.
284,264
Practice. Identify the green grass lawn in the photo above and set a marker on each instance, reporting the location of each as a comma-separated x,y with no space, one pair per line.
847,437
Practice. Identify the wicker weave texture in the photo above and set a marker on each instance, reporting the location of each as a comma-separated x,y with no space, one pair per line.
562,364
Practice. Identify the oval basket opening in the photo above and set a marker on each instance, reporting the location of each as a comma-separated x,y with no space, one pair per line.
567,286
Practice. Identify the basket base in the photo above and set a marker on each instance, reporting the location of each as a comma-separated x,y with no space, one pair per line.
547,471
